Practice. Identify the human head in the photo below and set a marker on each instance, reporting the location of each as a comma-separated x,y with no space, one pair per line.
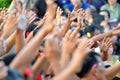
77,2
106,15
88,16
40,8
112,2
92,67
91,31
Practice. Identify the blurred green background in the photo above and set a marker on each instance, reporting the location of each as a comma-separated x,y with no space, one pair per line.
5,3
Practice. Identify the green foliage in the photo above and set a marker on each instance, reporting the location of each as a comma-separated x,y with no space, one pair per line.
5,3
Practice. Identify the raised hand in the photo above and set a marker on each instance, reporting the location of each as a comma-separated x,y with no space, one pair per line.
30,16
3,15
51,8
85,46
58,16
70,41
80,18
41,22
105,44
11,21
69,44
52,47
49,26
52,52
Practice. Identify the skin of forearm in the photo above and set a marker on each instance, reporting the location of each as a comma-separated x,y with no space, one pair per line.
101,36
19,40
112,71
66,27
6,32
104,55
9,43
27,52
30,36
71,69
65,58
55,65
38,65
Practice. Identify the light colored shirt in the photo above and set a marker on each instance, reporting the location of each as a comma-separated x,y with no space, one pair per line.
114,13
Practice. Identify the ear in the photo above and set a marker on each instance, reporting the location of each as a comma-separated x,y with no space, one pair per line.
94,70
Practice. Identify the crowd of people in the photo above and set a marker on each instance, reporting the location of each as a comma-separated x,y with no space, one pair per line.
60,40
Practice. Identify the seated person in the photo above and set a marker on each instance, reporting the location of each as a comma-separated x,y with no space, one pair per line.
96,3
79,4
113,7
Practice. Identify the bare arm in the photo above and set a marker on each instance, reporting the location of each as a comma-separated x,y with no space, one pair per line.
9,43
112,71
76,63
19,40
30,48
11,22
66,27
27,52
38,65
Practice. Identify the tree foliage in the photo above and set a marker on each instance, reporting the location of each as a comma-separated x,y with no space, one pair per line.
5,3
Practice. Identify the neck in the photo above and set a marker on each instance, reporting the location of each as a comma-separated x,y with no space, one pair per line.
112,6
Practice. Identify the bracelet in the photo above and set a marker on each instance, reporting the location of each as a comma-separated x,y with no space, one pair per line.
3,45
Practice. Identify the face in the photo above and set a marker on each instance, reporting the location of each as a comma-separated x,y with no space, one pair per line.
76,2
97,32
112,2
88,16
105,14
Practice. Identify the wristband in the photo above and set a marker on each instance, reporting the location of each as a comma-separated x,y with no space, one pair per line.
2,45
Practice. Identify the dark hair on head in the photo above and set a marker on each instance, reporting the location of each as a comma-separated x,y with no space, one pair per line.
40,8
106,12
88,62
90,29
8,59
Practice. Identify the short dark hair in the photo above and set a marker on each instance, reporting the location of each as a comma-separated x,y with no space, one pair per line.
40,8
9,58
90,28
88,62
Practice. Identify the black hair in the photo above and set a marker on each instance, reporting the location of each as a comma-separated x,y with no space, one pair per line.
40,8
88,62
31,27
8,59
106,12
90,29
